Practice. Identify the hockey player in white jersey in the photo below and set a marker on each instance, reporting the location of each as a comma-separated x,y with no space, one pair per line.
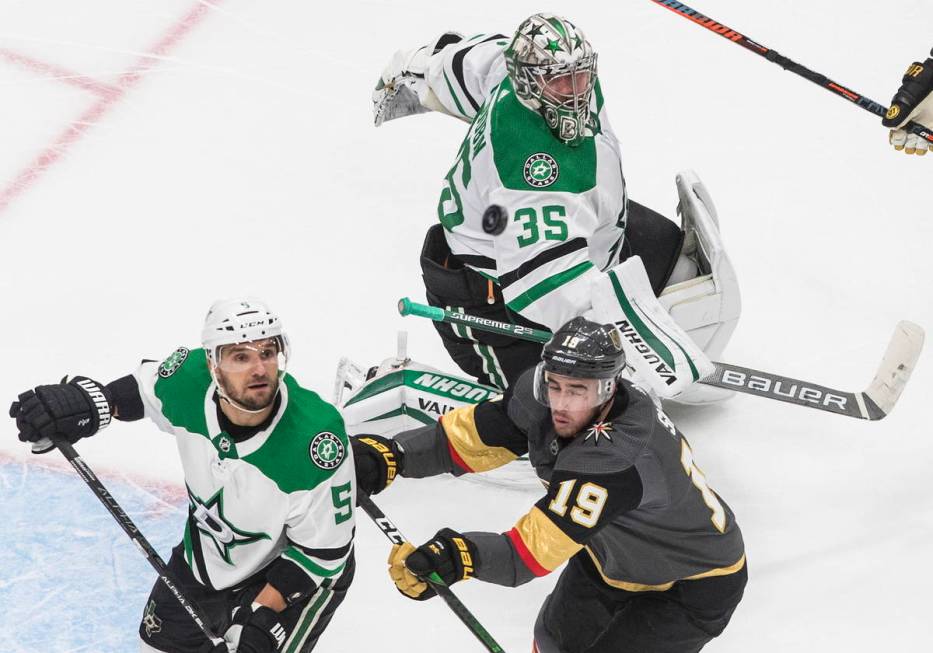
267,550
540,148
913,101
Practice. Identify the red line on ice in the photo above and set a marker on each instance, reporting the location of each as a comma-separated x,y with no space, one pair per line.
54,152
58,73
162,490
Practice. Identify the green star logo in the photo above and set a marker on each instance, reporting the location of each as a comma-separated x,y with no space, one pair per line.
540,170
554,46
171,364
326,450
211,521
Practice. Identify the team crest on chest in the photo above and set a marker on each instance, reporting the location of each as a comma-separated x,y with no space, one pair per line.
326,450
171,364
599,430
541,170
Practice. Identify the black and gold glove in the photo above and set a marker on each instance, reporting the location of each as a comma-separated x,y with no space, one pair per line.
377,462
449,555
913,101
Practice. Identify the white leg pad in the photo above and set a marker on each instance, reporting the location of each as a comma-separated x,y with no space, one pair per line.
402,395
708,306
663,356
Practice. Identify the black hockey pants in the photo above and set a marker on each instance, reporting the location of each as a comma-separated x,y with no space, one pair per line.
585,615
167,627
499,360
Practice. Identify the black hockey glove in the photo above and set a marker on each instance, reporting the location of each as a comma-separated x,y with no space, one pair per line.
377,461
449,554
915,86
74,410
262,632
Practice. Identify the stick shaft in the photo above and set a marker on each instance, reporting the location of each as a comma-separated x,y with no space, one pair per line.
727,376
773,56
394,535
130,528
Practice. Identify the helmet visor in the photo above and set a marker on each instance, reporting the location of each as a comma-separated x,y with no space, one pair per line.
269,354
569,393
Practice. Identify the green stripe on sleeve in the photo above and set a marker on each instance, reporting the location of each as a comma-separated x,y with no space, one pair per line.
297,556
542,288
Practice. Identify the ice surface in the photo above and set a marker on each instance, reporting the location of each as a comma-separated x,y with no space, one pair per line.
244,161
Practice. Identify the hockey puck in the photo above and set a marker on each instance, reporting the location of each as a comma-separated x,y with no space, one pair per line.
494,220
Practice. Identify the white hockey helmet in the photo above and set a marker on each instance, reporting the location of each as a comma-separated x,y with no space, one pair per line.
239,320
552,67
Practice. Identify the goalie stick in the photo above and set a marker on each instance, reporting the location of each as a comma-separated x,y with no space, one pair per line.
873,403
394,535
151,555
787,64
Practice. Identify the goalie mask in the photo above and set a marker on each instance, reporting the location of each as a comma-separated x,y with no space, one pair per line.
590,358
553,70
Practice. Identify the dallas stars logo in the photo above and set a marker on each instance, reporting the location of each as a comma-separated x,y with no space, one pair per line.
541,170
171,364
597,430
151,622
326,450
211,521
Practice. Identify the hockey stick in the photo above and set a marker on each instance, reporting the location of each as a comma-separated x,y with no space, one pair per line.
874,403
787,64
136,536
392,533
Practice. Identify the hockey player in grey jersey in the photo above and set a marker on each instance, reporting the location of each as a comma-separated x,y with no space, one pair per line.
267,551
541,147
656,561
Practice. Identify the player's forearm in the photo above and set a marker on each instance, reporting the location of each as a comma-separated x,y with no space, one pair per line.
499,563
271,598
424,452
127,400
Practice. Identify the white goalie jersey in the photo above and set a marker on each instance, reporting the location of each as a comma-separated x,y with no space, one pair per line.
566,206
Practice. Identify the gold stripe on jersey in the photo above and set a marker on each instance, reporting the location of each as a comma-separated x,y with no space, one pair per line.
464,439
663,587
546,542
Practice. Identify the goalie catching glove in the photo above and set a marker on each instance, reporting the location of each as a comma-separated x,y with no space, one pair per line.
74,410
449,554
401,89
913,101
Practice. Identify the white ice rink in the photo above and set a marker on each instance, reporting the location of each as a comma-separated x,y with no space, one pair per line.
156,155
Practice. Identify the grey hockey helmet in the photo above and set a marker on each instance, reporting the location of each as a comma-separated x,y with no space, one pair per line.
242,320
585,350
552,67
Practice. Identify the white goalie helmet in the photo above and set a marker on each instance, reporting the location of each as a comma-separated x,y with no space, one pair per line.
241,320
552,67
